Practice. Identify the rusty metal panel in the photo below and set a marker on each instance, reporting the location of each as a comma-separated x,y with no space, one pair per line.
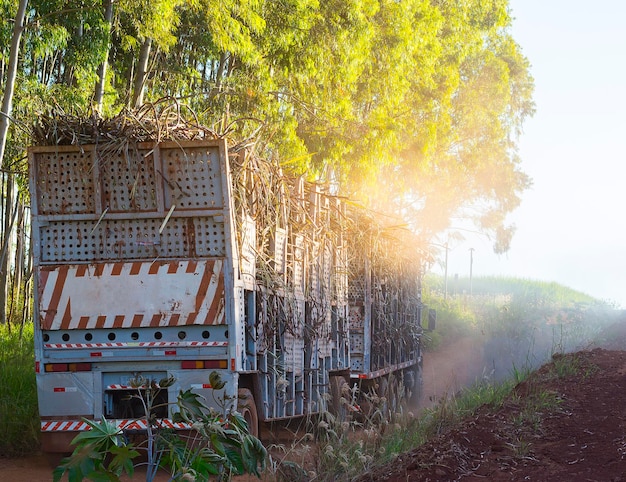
129,181
131,295
65,181
124,239
194,177
145,201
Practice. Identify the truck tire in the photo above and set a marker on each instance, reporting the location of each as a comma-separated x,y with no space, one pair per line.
247,408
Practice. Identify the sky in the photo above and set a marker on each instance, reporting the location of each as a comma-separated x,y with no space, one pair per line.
571,225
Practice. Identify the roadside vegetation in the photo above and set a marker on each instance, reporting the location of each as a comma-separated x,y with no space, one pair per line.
522,325
19,417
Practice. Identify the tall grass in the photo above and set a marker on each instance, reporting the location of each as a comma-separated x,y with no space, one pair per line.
19,418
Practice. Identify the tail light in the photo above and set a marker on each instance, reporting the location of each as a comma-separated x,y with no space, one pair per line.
67,367
200,364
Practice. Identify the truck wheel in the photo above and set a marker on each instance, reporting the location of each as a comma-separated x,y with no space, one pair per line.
247,408
339,388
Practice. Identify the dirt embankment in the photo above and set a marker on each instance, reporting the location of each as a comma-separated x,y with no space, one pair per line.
567,422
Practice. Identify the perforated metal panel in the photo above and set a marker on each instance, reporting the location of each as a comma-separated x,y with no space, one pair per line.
194,178
294,340
356,363
356,318
357,344
297,263
96,203
131,239
129,182
65,182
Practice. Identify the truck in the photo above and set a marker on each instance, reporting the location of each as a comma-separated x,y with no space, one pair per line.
179,258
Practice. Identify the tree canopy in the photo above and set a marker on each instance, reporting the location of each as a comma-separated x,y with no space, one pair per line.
414,105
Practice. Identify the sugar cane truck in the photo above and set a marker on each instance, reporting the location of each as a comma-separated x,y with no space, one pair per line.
185,257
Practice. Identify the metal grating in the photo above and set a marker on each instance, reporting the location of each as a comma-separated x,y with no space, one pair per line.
131,239
297,263
356,318
248,249
278,247
65,182
356,364
128,182
294,353
194,178
357,344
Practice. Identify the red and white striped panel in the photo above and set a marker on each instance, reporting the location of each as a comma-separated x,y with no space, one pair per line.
125,424
149,344
131,295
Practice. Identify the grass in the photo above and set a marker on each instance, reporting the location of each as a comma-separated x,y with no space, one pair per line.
19,418
343,457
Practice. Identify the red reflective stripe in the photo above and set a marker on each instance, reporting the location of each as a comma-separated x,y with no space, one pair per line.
82,322
204,285
67,316
101,321
51,310
154,267
118,322
155,321
216,302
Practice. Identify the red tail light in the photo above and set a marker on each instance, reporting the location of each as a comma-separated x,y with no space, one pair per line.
199,364
67,367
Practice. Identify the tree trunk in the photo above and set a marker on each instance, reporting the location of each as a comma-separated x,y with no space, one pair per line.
142,72
7,100
17,290
9,219
102,70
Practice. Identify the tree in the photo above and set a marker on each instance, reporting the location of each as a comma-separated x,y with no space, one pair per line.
9,87
102,70
414,104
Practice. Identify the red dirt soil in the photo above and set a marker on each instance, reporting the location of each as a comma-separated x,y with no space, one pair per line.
551,428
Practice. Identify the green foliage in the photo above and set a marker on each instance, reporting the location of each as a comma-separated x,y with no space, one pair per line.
414,106
19,418
519,322
222,446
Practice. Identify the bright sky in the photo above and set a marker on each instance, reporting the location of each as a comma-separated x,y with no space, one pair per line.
570,228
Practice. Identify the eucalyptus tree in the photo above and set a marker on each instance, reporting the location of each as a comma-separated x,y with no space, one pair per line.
460,157
11,72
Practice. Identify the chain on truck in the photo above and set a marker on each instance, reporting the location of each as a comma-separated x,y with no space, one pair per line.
176,259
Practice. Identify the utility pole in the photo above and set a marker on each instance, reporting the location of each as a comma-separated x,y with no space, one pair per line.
471,250
445,289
